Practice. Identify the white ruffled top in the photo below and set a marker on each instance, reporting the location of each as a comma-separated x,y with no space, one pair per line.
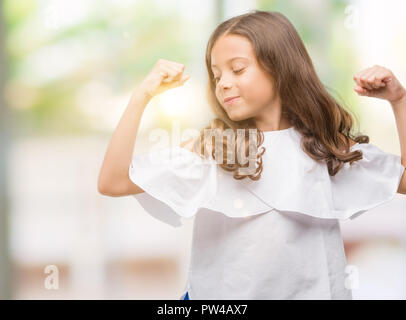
275,238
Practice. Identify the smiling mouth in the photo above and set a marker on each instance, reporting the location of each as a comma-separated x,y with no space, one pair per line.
231,101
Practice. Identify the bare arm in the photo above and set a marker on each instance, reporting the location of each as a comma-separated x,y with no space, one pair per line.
114,177
399,109
380,82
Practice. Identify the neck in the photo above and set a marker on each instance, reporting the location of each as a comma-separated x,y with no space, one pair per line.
272,118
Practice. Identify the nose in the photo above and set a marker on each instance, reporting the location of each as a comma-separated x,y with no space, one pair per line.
225,84
226,80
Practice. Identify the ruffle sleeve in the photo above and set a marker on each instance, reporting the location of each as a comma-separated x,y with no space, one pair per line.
295,182
367,183
178,183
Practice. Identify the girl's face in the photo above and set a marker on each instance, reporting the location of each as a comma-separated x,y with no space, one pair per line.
237,73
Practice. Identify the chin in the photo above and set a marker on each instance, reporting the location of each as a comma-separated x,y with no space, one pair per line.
237,117
237,114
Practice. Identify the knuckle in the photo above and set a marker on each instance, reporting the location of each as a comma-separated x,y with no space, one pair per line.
179,69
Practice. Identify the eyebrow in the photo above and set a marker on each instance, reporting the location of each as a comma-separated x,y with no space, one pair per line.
213,65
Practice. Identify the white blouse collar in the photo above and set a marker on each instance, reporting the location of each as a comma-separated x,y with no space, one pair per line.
273,132
290,181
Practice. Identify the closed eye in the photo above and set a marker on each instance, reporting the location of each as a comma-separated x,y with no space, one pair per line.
215,79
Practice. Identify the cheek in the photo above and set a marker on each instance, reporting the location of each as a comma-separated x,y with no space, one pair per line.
258,90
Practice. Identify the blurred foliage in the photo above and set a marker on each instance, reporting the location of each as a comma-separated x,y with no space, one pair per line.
111,44
329,47
51,59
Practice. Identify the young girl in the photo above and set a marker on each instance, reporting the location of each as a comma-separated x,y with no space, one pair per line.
272,232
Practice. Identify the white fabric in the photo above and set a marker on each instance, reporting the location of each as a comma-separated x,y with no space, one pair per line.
295,251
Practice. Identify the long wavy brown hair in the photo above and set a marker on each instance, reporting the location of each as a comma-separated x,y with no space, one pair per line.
325,125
